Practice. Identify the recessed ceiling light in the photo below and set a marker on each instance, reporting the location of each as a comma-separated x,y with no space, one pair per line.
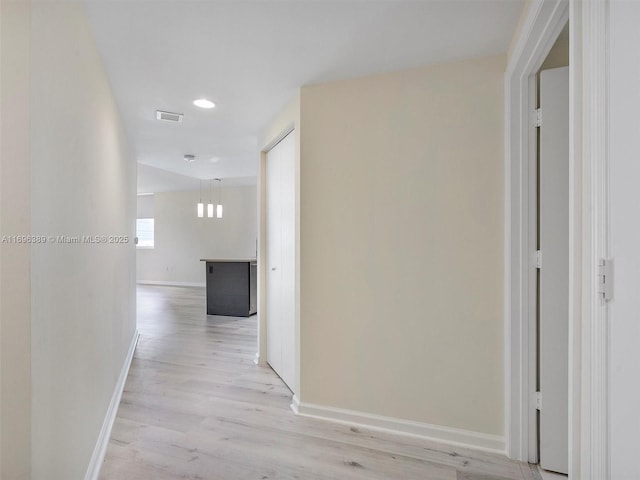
204,103
189,158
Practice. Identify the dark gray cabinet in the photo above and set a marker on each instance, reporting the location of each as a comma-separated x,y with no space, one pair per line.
231,287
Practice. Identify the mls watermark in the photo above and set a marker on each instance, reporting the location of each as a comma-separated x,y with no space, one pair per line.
64,239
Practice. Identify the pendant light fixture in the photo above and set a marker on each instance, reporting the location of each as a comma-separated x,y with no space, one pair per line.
200,204
210,204
219,206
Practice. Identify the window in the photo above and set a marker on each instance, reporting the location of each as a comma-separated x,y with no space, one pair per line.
144,232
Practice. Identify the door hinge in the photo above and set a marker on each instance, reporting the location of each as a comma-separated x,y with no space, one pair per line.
538,259
538,400
536,117
605,279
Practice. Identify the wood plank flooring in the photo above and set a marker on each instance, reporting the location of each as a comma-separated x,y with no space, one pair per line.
196,407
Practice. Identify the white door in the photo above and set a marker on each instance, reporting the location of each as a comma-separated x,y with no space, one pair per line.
554,272
273,251
280,264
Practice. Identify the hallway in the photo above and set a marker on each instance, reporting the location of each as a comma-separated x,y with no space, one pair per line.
195,406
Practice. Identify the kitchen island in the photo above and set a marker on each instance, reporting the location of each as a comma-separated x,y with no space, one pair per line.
231,286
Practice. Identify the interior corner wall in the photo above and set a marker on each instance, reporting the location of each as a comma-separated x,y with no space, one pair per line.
15,202
182,239
401,244
83,183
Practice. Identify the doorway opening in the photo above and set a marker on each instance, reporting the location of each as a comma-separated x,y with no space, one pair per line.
541,29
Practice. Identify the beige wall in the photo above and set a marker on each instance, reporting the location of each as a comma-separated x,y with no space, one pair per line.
401,245
83,181
15,203
182,239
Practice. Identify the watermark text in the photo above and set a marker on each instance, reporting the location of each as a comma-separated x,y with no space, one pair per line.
64,239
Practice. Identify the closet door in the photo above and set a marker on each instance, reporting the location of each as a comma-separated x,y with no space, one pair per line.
280,250
554,271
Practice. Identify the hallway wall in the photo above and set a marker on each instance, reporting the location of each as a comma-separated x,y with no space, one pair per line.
401,243
83,182
15,205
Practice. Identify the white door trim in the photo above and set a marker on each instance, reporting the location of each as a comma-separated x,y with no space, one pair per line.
543,23
591,405
575,234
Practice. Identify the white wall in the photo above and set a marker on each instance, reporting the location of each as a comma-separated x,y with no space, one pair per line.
625,240
401,245
83,182
182,239
145,206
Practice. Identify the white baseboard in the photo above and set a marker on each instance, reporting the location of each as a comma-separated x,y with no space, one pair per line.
295,405
93,471
170,284
450,436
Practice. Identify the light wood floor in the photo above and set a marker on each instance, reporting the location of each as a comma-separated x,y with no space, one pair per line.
196,407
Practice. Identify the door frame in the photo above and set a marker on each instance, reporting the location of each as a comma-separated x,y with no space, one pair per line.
591,329
261,354
588,232
537,35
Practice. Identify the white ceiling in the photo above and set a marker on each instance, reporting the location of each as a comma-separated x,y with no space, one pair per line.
250,56
156,180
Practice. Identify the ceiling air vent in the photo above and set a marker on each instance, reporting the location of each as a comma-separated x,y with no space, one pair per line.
168,116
